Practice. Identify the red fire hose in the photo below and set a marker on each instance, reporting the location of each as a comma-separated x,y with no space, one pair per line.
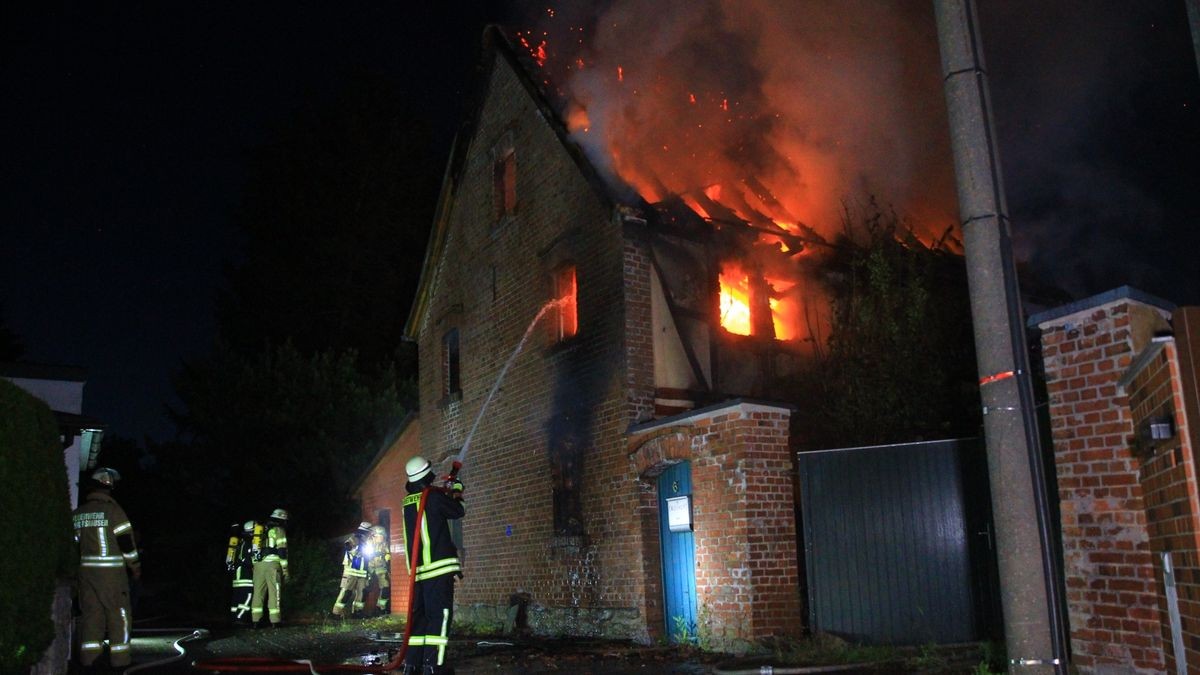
244,664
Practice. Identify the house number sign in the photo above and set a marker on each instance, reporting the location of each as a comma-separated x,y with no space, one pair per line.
679,514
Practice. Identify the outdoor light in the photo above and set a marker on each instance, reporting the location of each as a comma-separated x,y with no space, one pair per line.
1160,428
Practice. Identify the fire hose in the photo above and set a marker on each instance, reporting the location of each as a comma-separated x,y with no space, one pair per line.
268,665
254,664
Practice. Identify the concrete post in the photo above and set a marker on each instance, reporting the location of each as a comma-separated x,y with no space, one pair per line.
1027,573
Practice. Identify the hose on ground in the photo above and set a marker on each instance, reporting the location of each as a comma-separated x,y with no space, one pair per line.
790,670
196,634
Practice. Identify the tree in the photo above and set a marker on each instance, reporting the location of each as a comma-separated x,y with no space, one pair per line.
279,428
900,362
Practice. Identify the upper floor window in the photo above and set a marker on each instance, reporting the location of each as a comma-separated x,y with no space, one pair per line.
566,314
451,377
504,184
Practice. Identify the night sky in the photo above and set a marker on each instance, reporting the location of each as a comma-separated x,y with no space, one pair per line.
128,128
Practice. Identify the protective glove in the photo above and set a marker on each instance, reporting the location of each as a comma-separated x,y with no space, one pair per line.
456,488
286,576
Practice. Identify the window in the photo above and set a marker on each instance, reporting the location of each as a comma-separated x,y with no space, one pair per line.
504,184
451,378
566,312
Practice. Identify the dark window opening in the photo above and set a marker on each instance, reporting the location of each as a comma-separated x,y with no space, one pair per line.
504,185
566,472
451,378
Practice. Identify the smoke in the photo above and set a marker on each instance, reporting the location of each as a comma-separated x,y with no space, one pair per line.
777,110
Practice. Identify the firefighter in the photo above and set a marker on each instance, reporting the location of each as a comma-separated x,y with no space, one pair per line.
379,564
354,572
106,550
437,564
240,562
269,544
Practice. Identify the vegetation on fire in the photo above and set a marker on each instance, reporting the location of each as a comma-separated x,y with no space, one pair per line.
899,364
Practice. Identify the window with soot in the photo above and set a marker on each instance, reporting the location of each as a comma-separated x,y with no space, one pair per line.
451,370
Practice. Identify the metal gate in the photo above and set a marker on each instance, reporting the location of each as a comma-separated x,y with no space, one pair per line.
678,552
889,536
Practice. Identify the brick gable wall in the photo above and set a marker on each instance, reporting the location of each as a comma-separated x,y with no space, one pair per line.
575,398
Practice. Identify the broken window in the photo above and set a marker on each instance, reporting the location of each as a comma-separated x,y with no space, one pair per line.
504,184
566,312
451,378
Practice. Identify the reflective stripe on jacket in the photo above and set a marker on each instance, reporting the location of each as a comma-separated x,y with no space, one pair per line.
101,527
438,555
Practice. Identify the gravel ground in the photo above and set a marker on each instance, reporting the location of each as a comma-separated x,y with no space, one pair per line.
354,643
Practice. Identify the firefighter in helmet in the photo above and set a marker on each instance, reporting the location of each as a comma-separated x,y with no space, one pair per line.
354,572
239,561
379,564
106,550
269,546
428,511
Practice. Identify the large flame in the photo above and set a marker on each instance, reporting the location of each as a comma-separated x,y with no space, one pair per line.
765,112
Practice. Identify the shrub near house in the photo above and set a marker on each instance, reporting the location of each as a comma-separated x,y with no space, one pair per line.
35,516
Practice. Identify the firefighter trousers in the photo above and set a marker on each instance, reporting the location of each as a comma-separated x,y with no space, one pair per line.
385,589
105,611
433,610
268,582
243,590
352,592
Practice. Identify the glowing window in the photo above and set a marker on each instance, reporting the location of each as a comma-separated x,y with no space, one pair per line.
566,293
504,184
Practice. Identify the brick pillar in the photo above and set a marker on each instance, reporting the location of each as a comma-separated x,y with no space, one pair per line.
1160,384
1112,594
747,571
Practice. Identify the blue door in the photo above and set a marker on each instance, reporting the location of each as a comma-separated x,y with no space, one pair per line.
678,553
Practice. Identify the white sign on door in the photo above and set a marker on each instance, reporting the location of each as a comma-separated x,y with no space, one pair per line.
679,513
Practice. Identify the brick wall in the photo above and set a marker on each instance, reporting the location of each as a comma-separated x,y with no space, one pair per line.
576,398
1158,388
747,575
1112,592
383,488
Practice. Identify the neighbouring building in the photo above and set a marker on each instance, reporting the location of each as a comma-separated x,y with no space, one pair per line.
1121,373
380,492
61,388
627,478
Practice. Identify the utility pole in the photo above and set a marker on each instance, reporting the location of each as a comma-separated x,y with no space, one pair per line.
1029,577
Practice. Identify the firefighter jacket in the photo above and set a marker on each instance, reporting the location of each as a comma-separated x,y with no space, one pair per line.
104,534
354,561
438,554
274,546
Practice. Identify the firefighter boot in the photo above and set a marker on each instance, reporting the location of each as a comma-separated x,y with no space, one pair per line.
411,669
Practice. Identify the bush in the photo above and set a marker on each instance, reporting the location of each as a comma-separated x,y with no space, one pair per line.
36,510
315,567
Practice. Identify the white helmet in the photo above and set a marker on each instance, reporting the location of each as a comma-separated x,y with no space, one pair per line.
248,526
106,476
417,468
364,527
378,531
279,514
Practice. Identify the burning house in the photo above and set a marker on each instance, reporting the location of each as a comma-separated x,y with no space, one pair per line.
622,476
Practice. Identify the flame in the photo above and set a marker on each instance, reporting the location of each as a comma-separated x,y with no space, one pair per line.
789,128
735,300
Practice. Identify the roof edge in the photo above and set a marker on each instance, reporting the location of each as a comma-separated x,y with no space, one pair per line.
1107,297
